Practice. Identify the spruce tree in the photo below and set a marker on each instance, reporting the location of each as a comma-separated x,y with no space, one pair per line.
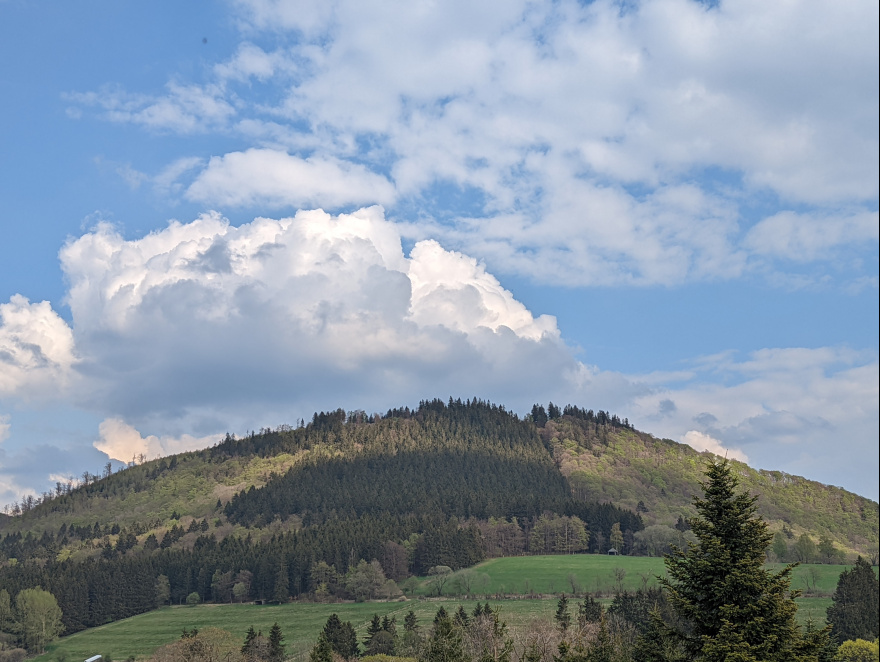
249,637
856,603
445,642
323,651
389,625
589,611
602,649
276,648
410,622
281,592
730,607
656,644
562,617
374,627
341,636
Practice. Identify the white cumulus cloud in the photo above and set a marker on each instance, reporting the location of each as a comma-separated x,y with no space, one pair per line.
202,317
275,179
36,349
703,442
121,441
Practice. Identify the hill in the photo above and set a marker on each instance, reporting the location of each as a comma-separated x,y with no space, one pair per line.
303,511
658,477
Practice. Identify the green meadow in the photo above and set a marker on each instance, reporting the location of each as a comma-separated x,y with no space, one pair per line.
604,575
299,622
516,578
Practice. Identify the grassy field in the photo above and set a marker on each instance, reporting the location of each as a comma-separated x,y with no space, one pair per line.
542,575
301,622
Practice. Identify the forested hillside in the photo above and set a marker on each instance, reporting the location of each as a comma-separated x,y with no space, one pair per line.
458,460
315,505
657,477
350,505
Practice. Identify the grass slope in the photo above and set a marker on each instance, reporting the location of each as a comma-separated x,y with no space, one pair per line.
301,623
594,573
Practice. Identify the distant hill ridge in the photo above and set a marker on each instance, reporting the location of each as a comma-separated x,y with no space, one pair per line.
497,465
298,512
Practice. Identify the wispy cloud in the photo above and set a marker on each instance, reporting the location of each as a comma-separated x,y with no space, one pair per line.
183,109
603,147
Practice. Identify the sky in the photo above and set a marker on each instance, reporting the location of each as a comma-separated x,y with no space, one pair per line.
224,216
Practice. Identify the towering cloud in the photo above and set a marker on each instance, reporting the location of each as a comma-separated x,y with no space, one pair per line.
36,349
310,309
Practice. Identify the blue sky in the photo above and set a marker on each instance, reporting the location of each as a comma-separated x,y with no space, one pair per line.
664,209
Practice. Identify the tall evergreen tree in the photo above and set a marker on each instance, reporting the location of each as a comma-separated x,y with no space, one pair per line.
856,603
589,611
276,648
323,651
249,637
281,592
373,628
729,605
341,637
445,642
562,616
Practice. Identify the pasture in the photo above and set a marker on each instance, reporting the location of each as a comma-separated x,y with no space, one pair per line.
512,579
600,575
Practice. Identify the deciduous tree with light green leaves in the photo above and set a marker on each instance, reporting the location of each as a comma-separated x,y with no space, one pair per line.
730,606
858,650
39,617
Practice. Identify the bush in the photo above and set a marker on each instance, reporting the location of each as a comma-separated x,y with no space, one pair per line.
858,650
193,598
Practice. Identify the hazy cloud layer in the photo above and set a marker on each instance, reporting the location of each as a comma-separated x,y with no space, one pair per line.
793,409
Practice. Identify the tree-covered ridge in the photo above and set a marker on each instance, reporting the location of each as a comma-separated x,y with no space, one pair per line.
314,529
462,459
658,477
604,458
